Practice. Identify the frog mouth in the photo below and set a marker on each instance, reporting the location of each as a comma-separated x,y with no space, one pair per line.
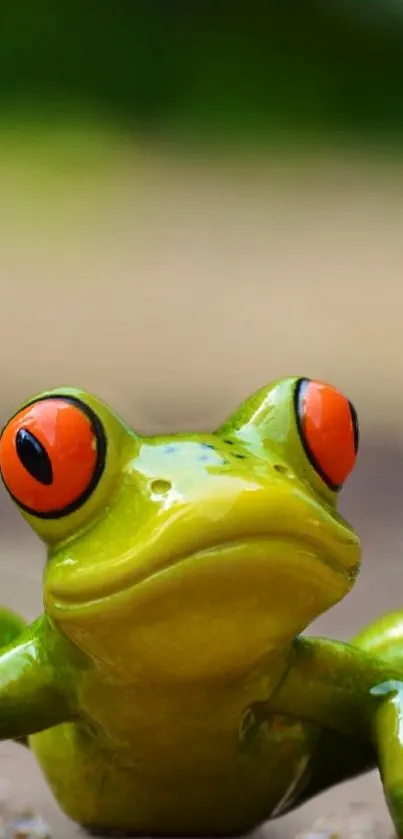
132,572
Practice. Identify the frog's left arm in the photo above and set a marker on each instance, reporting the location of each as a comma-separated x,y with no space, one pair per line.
337,686
34,692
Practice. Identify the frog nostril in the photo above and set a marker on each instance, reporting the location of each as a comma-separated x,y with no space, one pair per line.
279,467
160,487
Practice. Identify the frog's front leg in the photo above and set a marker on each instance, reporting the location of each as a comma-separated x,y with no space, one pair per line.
351,693
389,739
34,694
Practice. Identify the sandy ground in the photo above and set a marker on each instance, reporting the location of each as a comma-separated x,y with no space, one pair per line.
173,293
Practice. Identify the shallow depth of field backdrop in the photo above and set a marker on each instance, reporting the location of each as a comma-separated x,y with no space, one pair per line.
196,198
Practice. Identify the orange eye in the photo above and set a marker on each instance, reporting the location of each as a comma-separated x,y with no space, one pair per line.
328,427
52,455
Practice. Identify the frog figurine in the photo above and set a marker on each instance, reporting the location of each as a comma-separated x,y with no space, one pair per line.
167,688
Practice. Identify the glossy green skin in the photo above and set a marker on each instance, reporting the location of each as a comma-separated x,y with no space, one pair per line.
166,688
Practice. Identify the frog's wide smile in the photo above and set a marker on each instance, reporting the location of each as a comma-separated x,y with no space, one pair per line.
129,573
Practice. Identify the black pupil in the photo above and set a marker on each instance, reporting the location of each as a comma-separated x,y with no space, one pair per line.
34,457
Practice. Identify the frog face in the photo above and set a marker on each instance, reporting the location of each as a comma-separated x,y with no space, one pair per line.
213,548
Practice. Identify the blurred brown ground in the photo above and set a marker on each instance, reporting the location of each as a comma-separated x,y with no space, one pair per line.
173,290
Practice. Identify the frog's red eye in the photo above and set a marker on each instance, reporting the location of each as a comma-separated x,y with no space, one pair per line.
328,427
52,455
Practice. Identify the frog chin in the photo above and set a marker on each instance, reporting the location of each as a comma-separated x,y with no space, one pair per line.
220,609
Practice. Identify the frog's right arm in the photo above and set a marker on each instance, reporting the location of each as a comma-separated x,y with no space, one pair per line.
330,684
337,686
33,692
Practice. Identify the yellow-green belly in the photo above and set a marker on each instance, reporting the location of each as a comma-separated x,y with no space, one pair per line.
211,781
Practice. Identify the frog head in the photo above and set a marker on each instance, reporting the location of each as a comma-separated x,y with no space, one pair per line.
188,555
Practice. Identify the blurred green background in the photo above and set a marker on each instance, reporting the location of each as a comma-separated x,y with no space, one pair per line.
180,68
196,198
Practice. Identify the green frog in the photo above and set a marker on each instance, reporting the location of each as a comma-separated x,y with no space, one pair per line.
168,688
